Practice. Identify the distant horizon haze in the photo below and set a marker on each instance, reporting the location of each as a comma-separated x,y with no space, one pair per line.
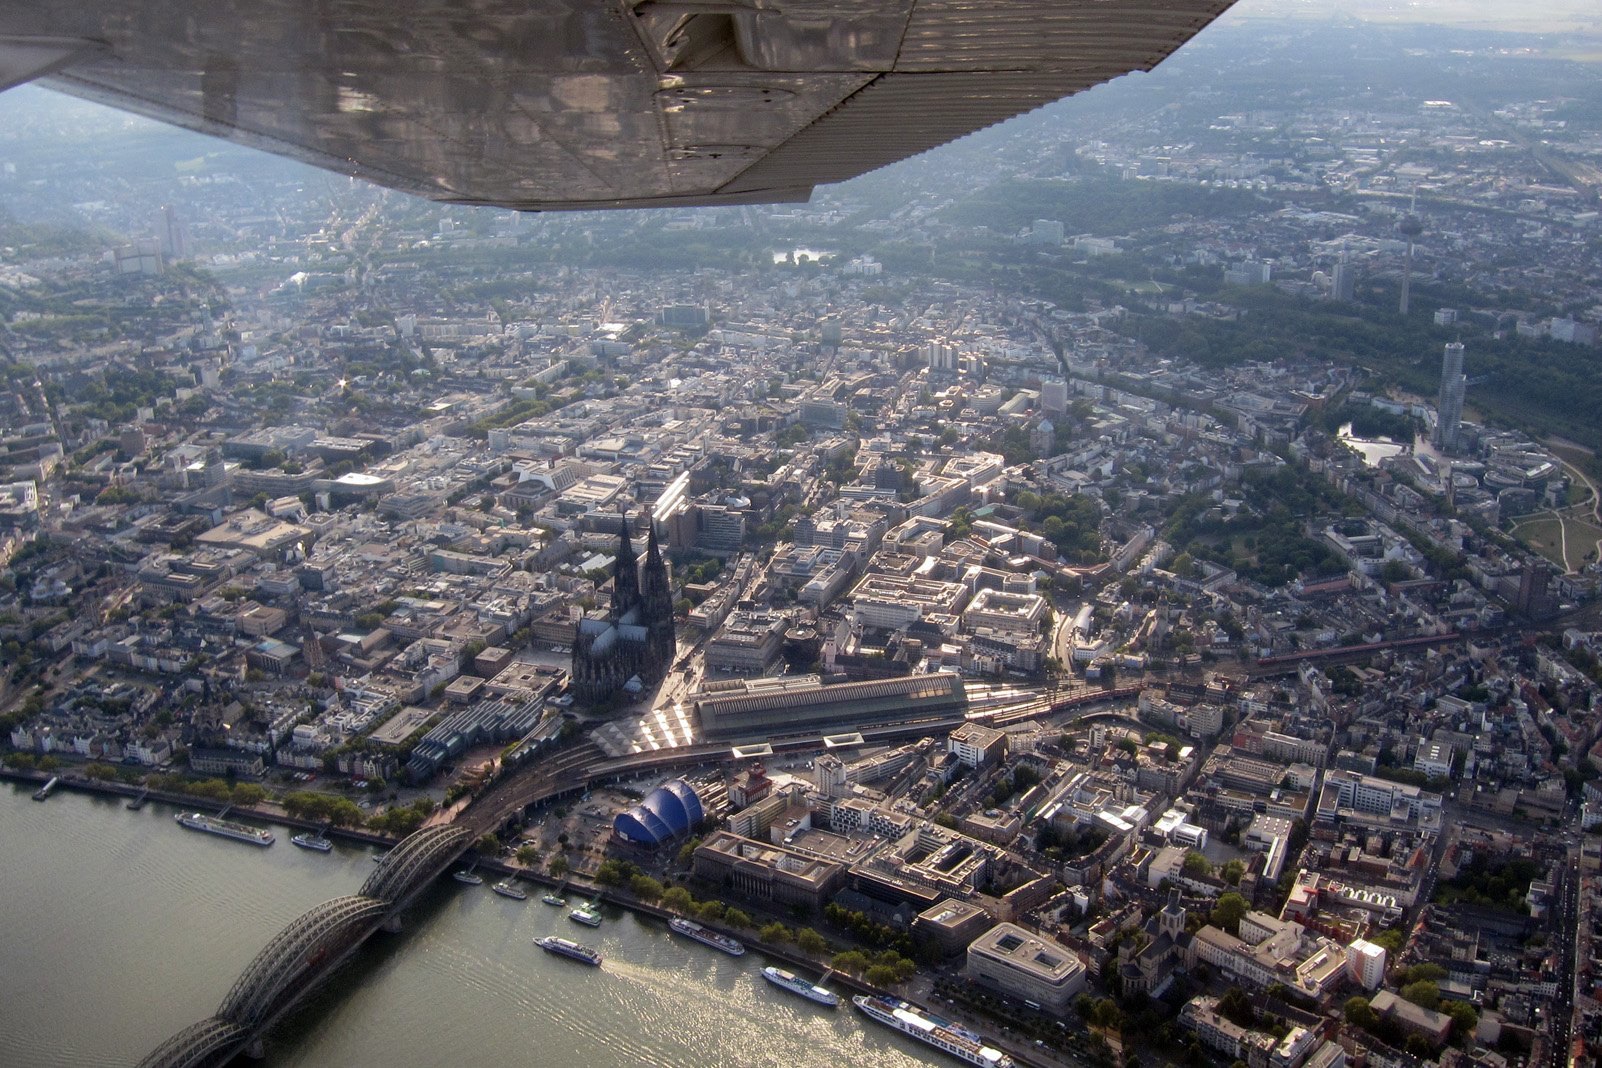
1514,16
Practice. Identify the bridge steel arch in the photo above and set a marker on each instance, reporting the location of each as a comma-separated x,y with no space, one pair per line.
414,860
196,1045
286,956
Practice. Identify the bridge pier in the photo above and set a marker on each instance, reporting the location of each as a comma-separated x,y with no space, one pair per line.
256,1050
393,924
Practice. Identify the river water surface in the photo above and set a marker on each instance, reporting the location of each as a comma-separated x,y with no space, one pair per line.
119,928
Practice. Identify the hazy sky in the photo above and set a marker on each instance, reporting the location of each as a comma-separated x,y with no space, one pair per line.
1539,16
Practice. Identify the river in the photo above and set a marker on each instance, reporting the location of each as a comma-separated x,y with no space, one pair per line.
119,928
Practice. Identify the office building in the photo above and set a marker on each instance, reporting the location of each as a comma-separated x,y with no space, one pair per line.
1054,395
1575,333
767,872
747,642
1449,404
1025,965
950,926
1045,232
1534,599
173,235
1249,273
685,316
977,745
1343,282
1349,797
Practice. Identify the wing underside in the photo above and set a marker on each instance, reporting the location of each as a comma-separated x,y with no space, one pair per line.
550,104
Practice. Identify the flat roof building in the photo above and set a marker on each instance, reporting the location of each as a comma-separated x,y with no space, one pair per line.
767,872
950,926
1353,798
1433,1025
1026,965
747,642
1005,611
975,744
1434,759
891,603
256,532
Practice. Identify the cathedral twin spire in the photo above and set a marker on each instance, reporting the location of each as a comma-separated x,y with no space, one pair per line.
597,676
657,601
625,575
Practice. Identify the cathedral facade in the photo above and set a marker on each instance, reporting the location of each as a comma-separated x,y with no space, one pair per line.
636,636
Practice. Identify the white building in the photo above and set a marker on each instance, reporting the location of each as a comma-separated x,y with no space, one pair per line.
1348,792
1434,759
1366,963
975,744
1173,826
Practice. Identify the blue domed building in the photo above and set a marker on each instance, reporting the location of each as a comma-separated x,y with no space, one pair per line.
670,811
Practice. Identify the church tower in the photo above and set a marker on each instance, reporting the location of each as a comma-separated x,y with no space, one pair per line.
636,637
1171,919
657,605
625,576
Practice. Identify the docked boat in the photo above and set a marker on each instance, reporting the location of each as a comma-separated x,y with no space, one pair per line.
555,899
565,947
241,832
786,980
47,789
511,890
931,1030
312,841
468,877
691,929
586,914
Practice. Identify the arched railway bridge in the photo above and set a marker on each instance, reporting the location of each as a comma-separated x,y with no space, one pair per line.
311,948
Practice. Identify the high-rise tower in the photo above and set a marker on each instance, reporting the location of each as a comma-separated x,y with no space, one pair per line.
1410,227
174,235
1449,404
1534,598
1343,282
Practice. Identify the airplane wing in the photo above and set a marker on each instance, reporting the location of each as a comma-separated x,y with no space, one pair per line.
553,104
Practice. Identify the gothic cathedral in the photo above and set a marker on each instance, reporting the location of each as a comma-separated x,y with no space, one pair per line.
636,636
